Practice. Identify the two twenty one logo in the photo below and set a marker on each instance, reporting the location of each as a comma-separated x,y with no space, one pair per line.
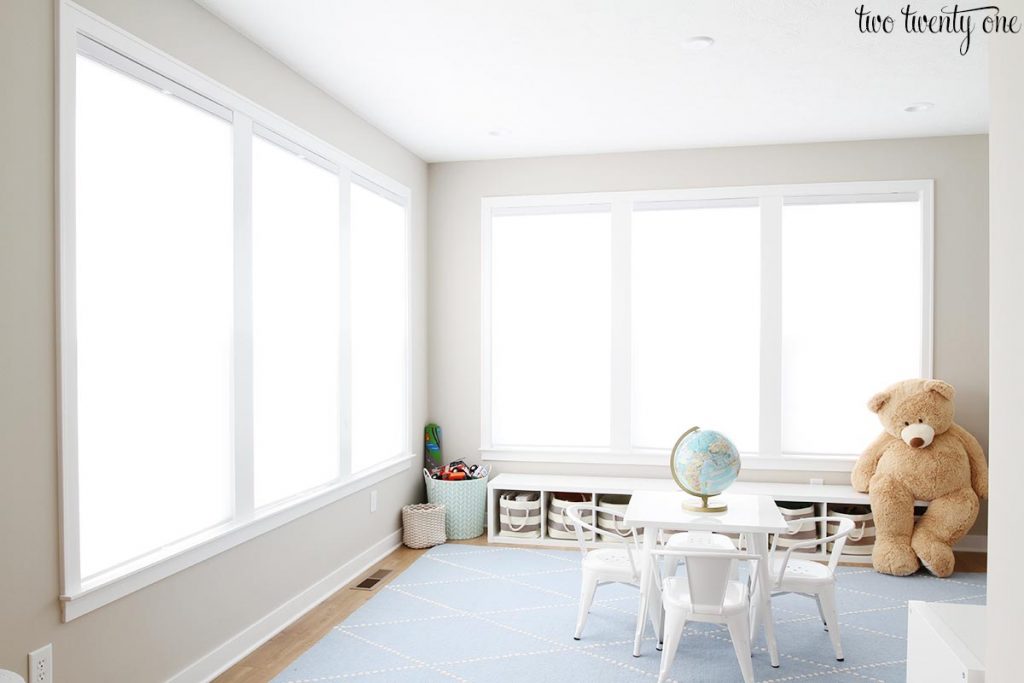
955,20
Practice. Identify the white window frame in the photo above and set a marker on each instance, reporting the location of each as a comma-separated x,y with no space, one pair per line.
146,63
770,199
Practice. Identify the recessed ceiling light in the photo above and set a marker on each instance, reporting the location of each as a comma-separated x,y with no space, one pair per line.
698,42
498,132
166,91
918,107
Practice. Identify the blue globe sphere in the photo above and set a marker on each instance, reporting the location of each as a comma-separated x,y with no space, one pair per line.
704,462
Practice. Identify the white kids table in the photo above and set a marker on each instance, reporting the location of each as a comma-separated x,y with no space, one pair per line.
753,516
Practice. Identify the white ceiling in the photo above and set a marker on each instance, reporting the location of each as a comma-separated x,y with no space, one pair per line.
586,76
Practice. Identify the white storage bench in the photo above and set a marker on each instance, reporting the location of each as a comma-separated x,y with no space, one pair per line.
820,495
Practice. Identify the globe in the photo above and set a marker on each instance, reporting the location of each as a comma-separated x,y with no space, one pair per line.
704,463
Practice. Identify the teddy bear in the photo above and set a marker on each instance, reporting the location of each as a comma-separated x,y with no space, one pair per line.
922,455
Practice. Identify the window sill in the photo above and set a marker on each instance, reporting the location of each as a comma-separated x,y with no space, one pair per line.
799,463
106,588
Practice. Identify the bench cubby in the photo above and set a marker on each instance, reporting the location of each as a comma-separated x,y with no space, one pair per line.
821,496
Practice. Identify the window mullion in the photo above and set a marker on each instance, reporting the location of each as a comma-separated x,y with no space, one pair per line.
244,493
345,352
621,345
486,439
770,424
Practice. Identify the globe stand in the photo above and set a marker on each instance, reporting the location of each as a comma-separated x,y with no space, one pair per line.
704,507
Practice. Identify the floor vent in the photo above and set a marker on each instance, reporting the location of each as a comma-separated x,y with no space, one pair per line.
371,581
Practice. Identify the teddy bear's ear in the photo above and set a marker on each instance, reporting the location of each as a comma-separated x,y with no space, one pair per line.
878,400
943,389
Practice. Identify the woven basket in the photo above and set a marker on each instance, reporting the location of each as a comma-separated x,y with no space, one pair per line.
465,502
423,525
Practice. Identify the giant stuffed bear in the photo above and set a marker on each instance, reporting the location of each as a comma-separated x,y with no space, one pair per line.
921,455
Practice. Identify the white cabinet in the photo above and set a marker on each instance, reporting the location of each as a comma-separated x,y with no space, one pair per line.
945,643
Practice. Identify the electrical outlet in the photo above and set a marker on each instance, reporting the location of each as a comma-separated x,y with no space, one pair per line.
40,665
373,500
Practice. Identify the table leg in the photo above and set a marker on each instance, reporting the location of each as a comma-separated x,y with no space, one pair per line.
646,584
763,598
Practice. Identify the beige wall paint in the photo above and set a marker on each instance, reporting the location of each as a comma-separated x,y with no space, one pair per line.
153,633
959,166
1006,145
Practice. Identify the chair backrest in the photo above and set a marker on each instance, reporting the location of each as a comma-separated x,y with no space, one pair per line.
708,573
625,535
845,527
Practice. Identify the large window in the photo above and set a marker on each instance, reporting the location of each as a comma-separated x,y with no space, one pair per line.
695,321
234,318
380,298
153,309
614,322
847,331
551,315
296,297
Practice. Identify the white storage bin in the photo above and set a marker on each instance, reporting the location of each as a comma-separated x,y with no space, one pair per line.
616,503
861,540
804,531
559,525
519,514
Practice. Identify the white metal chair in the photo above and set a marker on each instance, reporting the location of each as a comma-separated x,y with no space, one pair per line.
694,540
707,593
813,579
603,565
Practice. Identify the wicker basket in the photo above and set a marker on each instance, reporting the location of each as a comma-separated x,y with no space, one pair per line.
423,525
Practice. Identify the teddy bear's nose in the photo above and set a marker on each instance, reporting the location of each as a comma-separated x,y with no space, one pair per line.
916,442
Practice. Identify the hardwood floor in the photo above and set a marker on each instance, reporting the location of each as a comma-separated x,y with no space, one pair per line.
272,657
277,653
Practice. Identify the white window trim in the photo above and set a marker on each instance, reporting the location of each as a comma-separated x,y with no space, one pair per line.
770,198
78,597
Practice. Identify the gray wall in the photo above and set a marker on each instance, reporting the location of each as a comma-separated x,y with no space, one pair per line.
155,632
1006,142
959,166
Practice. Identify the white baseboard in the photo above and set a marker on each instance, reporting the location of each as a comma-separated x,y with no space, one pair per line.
972,543
229,653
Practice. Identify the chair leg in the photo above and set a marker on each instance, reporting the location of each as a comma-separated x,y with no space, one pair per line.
827,597
740,633
587,590
821,612
675,620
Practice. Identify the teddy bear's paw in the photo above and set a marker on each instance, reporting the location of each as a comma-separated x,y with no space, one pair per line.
936,556
893,557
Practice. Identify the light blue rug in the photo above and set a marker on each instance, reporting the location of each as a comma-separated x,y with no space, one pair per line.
487,613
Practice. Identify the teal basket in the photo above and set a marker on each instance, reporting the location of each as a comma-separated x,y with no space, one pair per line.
465,505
